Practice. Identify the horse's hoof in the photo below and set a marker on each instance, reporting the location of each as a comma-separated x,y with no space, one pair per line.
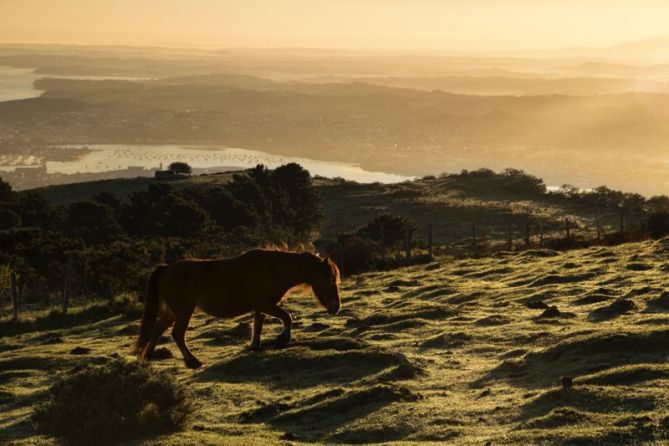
193,364
255,348
281,341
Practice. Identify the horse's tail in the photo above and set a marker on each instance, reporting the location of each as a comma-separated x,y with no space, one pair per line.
151,308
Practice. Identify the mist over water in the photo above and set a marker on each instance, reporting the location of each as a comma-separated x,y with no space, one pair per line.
17,83
105,157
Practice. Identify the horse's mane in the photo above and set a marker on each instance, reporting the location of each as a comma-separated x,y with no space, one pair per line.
334,271
306,250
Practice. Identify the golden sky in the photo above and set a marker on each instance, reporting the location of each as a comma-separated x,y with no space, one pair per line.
428,24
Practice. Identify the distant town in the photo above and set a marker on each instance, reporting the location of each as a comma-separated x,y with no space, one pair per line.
31,177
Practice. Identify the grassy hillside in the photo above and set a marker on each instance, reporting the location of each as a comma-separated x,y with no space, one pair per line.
69,193
466,352
452,205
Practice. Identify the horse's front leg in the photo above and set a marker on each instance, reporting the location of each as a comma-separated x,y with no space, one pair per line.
258,320
278,312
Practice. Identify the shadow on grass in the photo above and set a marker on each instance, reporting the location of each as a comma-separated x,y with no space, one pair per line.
56,320
318,417
582,356
592,400
293,369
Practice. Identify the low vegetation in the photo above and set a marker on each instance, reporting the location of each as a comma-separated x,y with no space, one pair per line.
111,401
571,351
106,245
106,237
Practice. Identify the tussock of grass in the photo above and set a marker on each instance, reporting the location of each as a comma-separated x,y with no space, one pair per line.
113,401
464,352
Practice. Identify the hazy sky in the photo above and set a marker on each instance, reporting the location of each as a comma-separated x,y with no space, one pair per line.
431,24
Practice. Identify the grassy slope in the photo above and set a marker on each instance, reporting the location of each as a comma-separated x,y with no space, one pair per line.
449,351
68,193
452,207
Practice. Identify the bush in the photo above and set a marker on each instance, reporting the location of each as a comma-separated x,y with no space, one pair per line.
658,224
113,401
388,231
180,167
355,254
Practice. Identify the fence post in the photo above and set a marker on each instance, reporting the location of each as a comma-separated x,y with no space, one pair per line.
510,238
429,240
66,286
111,293
598,225
567,226
541,235
383,245
408,245
473,235
622,220
15,296
527,233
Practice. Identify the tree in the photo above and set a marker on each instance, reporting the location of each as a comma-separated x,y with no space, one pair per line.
518,181
9,219
301,206
135,215
389,231
253,198
91,221
175,216
658,203
36,211
227,211
569,191
7,195
658,224
180,167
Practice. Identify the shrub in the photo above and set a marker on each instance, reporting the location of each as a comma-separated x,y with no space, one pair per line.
180,167
92,221
355,254
112,401
388,231
9,219
658,224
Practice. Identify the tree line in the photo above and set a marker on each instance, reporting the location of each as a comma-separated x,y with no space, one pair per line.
106,244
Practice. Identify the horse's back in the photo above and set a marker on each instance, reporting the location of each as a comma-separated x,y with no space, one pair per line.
226,287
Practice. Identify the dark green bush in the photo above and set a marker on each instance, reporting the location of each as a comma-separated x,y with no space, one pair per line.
658,224
118,400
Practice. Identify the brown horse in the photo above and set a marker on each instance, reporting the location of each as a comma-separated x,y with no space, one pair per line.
254,281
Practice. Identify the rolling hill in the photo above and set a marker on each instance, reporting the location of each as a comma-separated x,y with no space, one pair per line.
571,351
451,204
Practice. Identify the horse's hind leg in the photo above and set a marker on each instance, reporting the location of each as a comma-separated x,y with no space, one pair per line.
278,312
161,325
258,320
179,336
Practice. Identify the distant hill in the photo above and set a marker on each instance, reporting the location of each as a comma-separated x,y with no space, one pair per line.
587,140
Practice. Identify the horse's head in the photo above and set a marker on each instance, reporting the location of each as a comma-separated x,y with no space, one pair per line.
325,284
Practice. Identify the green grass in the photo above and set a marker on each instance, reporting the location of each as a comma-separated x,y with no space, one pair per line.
455,351
64,194
451,206
68,193
53,318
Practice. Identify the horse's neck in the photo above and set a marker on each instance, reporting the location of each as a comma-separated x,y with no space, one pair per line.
296,270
